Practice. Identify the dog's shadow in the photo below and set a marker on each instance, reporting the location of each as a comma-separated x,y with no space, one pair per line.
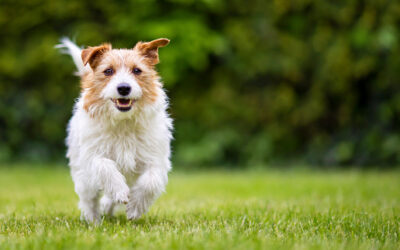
73,222
121,220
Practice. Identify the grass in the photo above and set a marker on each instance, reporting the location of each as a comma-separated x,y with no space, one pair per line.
211,210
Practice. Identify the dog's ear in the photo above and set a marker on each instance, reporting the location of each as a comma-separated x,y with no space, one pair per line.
150,49
92,55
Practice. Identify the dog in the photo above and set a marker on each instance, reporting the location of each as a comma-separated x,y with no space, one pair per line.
118,141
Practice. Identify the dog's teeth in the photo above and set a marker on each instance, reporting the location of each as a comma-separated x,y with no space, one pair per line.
123,104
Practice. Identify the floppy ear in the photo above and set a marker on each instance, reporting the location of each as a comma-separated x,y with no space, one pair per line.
150,49
92,55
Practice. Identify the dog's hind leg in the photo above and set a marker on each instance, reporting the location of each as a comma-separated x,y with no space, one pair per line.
106,205
88,200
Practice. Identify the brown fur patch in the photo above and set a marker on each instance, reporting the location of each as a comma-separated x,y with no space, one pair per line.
92,95
149,84
92,55
150,49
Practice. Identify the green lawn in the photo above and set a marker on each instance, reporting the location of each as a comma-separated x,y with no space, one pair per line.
211,210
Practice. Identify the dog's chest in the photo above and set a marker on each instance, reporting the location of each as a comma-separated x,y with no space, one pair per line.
121,146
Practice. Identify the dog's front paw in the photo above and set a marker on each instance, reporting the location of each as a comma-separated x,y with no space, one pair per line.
121,195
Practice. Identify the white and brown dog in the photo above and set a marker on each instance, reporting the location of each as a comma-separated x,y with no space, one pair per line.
120,132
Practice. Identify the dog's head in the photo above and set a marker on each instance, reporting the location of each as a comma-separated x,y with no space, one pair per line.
121,80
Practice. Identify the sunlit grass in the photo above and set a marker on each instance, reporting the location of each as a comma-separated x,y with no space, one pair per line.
208,210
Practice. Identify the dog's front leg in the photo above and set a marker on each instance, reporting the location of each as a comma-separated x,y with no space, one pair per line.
99,174
150,184
111,180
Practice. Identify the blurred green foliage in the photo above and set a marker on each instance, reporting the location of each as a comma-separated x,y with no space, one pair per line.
251,82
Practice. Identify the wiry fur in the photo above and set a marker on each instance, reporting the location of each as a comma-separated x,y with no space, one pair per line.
124,155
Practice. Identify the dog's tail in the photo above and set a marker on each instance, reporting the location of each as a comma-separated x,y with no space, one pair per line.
68,47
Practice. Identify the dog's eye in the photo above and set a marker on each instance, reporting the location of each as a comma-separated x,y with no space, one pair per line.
136,71
108,72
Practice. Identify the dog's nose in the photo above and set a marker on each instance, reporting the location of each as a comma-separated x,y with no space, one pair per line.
124,89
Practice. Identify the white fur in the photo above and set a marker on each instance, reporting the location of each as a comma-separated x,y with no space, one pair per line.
122,76
68,47
124,155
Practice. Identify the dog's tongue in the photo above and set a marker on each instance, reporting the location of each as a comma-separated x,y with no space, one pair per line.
123,101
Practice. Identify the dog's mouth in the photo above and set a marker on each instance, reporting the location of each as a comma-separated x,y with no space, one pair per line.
123,104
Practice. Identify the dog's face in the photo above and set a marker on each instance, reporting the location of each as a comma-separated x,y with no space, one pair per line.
122,79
